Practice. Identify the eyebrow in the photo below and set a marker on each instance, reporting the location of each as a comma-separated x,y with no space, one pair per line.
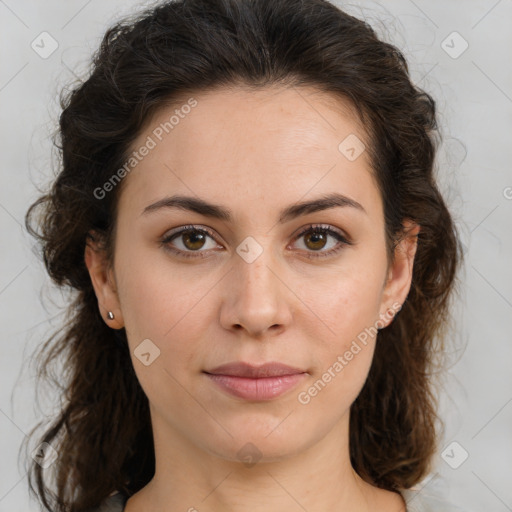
215,211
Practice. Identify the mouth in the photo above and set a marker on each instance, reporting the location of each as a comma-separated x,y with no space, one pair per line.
256,383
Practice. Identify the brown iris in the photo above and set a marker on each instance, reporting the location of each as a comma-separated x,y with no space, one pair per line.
193,240
316,238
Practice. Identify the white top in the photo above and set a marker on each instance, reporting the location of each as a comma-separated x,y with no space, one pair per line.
423,501
417,501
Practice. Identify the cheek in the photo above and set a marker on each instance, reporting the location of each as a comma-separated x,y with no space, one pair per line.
343,355
154,298
330,395
342,305
342,363
165,308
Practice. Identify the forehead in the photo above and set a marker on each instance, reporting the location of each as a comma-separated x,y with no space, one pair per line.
251,145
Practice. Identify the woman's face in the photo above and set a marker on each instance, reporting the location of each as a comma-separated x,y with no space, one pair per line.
254,283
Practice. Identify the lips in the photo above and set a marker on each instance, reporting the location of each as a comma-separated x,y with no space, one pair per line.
256,383
250,371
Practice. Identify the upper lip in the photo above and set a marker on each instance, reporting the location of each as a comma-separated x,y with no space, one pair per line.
241,369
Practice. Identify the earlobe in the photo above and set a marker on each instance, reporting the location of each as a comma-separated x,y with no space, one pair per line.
400,272
103,282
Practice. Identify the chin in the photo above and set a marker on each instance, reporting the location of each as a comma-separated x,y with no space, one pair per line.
262,441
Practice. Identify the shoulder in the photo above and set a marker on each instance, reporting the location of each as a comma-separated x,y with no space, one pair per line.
421,501
114,503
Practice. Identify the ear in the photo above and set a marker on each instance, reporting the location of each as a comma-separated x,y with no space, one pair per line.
103,281
399,277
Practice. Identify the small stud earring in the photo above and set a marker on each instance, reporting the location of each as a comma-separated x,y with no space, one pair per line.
110,315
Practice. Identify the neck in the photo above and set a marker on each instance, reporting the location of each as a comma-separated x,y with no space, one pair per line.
320,477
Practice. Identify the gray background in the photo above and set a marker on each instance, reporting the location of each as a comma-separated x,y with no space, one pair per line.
474,97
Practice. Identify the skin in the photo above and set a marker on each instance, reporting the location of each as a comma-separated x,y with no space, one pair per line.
254,152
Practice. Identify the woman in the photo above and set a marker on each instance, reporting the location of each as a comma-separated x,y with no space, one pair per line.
262,265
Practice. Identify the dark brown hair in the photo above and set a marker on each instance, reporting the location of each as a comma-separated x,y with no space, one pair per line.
103,432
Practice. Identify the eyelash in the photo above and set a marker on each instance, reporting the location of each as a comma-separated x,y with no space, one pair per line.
313,228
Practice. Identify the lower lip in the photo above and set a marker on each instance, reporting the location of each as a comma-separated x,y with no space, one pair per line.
264,388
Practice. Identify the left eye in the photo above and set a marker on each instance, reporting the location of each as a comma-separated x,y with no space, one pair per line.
315,239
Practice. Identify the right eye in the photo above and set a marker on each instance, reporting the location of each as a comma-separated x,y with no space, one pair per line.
187,240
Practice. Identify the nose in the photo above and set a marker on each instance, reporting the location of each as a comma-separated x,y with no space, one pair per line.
257,299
